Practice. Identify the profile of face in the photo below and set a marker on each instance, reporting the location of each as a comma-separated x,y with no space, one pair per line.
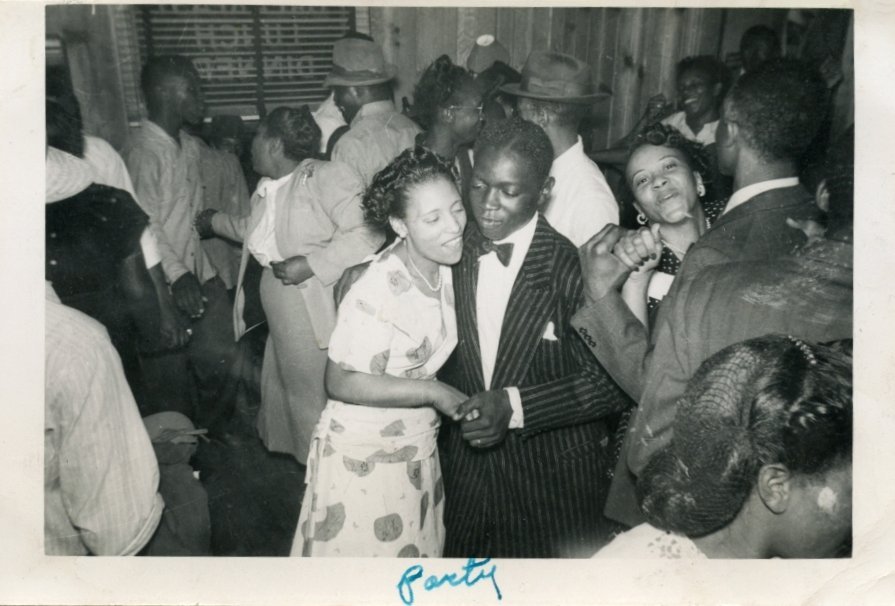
665,188
527,110
818,516
755,52
433,222
696,93
466,110
505,192
724,145
262,153
186,94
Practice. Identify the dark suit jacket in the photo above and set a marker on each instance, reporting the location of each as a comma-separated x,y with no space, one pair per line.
755,230
539,493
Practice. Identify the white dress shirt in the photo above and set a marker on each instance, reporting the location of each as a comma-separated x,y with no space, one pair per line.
495,283
581,202
262,242
706,134
744,194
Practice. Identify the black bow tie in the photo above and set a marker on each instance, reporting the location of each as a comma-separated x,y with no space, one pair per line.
504,251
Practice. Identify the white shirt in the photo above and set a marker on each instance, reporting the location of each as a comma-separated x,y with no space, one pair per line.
581,203
328,117
495,282
744,194
706,134
262,242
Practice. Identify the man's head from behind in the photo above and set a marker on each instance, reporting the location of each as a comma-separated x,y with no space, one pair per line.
511,176
772,114
170,85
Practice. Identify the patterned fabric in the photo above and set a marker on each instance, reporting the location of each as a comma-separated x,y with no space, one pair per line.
373,478
540,493
669,263
100,472
648,542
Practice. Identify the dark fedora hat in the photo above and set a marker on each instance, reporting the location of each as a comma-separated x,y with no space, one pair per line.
359,62
550,76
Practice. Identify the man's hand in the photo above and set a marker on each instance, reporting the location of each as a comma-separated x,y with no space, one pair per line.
293,270
602,271
640,250
188,295
486,418
349,277
202,223
174,328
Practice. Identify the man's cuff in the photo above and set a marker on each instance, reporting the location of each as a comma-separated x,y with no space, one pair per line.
517,420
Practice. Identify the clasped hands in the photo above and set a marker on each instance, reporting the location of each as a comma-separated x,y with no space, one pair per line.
484,418
613,253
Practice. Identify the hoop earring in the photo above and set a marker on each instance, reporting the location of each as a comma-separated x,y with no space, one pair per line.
641,219
700,190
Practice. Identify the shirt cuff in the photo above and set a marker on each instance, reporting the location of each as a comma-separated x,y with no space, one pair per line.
149,245
517,419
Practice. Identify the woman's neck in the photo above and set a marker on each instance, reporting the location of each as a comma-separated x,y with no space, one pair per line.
679,236
440,140
735,541
284,167
421,267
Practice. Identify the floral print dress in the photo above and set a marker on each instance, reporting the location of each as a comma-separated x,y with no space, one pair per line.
373,478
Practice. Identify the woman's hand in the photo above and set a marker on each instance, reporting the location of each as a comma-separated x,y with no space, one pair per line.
446,399
640,250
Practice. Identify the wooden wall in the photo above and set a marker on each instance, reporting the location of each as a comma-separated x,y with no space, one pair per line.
631,50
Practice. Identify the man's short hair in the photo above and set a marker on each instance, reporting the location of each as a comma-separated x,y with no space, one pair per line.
760,34
564,114
778,108
161,67
523,137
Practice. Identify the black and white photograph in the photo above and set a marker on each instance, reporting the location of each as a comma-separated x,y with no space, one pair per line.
405,304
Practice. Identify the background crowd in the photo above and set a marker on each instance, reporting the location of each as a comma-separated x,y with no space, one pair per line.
471,340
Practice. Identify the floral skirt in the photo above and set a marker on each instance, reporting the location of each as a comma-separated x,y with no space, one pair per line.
374,485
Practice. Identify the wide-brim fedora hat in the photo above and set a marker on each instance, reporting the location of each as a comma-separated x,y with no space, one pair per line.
551,76
358,62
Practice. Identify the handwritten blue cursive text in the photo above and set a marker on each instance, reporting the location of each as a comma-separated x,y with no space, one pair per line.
473,572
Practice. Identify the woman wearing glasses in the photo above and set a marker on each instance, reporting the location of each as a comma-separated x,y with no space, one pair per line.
448,104
665,174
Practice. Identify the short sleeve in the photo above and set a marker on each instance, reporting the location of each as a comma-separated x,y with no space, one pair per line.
362,337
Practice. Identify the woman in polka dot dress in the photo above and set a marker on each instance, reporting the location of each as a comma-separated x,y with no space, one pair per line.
374,483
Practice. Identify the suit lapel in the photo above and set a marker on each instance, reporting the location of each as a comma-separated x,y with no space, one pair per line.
465,279
527,313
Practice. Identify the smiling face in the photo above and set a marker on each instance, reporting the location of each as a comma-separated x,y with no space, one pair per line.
433,222
664,185
505,192
696,94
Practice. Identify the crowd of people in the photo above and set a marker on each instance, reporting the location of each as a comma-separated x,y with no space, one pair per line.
460,337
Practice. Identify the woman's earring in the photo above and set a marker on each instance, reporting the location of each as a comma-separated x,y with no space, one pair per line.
700,189
641,219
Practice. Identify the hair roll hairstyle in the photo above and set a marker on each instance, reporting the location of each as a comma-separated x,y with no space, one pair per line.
774,399
296,128
436,87
387,194
659,134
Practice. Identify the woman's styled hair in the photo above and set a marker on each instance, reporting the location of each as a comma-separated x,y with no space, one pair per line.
441,80
296,128
659,134
387,194
774,399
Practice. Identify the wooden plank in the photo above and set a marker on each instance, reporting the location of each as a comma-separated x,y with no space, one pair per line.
522,34
505,28
541,28
558,29
601,56
436,35
628,80
472,23
399,45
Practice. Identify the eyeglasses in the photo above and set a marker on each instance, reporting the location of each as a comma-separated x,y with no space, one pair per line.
478,108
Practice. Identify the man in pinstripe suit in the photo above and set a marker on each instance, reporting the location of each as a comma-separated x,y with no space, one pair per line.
525,474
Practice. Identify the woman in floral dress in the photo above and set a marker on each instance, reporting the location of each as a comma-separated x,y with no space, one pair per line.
373,480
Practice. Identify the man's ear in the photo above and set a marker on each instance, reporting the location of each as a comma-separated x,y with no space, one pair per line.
717,90
545,191
822,196
774,487
275,145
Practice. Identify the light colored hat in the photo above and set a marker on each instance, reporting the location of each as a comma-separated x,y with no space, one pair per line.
550,76
171,426
66,175
358,62
486,52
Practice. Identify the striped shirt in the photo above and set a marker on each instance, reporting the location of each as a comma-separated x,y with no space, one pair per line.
100,472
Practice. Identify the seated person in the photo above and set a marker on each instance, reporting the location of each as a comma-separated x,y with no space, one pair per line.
760,465
448,104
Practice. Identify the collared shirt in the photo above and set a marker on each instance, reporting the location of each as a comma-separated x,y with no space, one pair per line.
328,117
581,203
262,242
377,135
744,194
100,472
706,134
166,176
495,283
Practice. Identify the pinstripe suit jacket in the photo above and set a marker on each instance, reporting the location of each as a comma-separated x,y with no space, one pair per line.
539,493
